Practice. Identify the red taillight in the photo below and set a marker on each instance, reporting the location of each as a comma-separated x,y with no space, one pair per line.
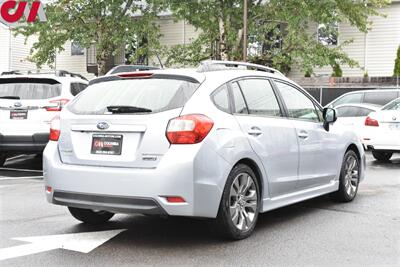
60,104
175,200
189,129
371,122
55,129
49,189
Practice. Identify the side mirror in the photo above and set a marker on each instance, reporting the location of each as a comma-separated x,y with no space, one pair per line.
329,115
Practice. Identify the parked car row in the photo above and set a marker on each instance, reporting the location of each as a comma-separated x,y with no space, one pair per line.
226,141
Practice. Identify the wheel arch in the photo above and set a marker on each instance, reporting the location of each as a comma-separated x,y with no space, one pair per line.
354,148
257,171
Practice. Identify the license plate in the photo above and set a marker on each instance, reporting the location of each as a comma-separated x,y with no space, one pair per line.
18,114
106,144
394,126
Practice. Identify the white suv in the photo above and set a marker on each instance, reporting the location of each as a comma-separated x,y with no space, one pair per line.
222,142
28,102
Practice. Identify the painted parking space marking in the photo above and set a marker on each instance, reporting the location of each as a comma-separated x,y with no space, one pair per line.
7,178
79,242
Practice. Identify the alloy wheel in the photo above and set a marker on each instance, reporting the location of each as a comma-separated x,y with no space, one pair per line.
351,176
243,201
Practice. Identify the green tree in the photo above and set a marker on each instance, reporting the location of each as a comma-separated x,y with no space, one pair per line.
280,29
108,25
397,64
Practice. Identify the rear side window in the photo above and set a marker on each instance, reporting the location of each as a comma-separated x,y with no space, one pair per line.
260,97
29,88
76,88
221,98
380,98
355,98
156,95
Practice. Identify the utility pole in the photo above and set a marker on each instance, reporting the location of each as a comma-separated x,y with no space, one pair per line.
245,23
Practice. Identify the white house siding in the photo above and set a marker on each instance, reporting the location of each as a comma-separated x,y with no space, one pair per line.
20,53
175,33
14,53
4,48
377,56
383,41
76,64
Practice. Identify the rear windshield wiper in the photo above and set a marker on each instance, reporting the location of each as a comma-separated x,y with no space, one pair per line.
11,97
127,109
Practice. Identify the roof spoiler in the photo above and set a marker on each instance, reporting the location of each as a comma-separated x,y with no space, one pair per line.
58,73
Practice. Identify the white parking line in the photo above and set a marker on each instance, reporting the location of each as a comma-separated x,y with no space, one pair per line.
20,178
16,157
20,170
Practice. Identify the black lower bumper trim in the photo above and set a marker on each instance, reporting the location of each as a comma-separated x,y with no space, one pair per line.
108,203
30,143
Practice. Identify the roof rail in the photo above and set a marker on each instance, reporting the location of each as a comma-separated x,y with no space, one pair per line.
58,73
217,65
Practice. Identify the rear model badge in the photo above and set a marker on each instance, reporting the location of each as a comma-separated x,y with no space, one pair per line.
103,126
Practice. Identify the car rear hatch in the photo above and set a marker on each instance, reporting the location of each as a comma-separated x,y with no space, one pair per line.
27,104
122,122
389,120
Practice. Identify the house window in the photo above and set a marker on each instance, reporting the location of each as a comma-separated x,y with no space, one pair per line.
328,33
77,49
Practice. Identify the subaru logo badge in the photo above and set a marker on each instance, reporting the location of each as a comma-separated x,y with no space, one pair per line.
394,118
17,104
103,126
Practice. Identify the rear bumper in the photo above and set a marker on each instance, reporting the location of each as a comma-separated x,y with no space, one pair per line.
24,143
385,141
387,148
195,173
110,203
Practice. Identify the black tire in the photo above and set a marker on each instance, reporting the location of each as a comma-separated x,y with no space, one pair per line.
90,216
345,193
3,159
382,156
224,222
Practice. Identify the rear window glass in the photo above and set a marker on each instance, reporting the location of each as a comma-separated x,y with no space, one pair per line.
29,88
380,98
355,98
395,105
156,95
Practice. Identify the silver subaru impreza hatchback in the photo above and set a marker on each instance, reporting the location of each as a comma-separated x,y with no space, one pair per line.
227,141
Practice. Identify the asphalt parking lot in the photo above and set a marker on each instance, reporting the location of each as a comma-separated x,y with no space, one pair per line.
318,232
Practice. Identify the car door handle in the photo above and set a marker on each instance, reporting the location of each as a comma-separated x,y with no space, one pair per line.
303,135
255,131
